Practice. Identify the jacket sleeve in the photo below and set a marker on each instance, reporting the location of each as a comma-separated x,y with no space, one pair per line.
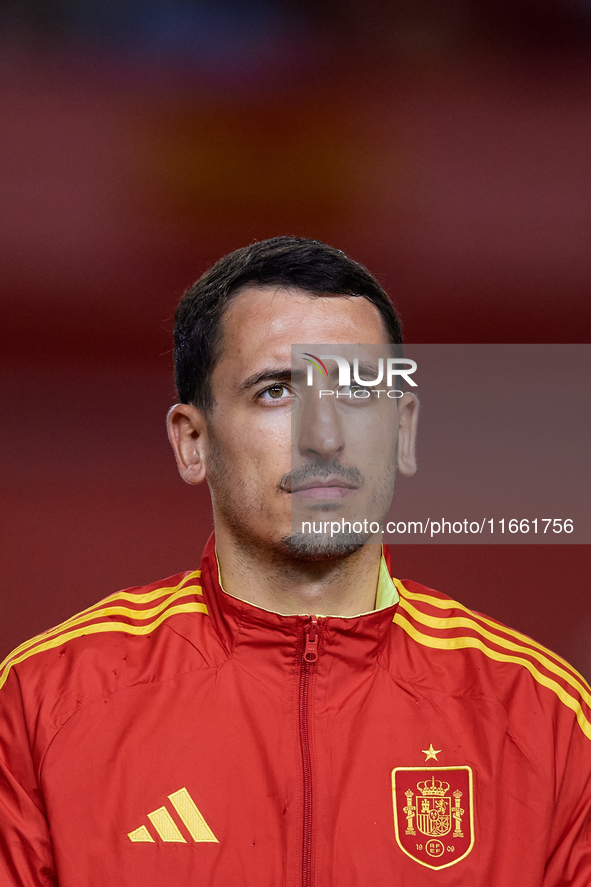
26,857
570,862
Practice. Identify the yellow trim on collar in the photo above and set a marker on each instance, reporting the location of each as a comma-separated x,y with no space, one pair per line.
387,594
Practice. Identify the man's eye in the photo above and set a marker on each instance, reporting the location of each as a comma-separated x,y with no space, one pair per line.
352,390
274,392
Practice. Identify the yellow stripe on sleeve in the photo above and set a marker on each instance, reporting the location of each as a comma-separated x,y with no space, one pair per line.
98,628
459,643
450,604
123,611
100,609
463,622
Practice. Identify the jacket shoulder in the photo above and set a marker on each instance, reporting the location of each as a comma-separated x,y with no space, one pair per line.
113,638
491,658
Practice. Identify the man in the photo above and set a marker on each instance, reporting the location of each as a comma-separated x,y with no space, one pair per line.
290,714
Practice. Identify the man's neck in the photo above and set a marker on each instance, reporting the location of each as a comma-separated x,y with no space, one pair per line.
281,583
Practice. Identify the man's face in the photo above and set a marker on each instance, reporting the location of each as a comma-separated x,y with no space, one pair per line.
271,446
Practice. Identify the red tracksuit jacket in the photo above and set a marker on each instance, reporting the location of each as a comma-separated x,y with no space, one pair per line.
174,735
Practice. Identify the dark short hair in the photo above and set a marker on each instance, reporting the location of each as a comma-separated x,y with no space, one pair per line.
294,262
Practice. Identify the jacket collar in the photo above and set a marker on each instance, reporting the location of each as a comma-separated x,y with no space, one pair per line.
240,622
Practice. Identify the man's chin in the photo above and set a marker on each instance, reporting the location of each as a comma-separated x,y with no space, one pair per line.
306,547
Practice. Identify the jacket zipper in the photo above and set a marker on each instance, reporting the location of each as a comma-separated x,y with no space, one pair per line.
309,658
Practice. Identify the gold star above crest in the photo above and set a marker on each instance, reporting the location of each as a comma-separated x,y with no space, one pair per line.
431,752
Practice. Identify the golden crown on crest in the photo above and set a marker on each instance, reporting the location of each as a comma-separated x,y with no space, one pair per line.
434,789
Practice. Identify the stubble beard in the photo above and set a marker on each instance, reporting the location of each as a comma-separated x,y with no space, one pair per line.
233,502
304,547
324,546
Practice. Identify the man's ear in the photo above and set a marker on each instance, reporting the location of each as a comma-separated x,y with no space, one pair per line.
408,415
187,433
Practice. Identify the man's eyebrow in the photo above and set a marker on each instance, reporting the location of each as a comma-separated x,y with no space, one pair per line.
281,374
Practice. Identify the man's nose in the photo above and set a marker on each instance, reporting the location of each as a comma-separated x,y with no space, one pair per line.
320,427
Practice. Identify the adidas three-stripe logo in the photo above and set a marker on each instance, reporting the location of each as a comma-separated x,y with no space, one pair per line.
167,829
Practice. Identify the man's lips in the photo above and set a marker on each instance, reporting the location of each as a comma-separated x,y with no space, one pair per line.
323,489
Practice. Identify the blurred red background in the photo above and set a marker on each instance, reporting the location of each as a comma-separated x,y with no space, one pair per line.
444,144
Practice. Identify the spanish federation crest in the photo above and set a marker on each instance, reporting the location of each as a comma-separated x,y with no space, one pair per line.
433,813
